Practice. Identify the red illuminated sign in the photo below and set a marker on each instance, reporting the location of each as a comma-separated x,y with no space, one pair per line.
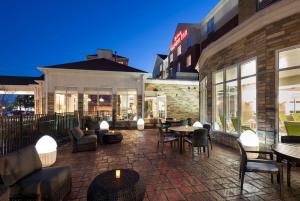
180,36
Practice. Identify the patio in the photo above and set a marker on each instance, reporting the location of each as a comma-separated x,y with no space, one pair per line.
172,176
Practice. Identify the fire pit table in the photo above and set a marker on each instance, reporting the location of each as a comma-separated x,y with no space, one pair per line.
112,137
113,185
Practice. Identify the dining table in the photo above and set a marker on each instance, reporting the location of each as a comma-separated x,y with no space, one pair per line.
289,152
182,131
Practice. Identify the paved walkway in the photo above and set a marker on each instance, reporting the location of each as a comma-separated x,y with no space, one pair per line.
171,176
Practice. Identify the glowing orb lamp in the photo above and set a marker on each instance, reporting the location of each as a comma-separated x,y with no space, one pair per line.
104,125
250,142
140,124
46,148
198,124
217,126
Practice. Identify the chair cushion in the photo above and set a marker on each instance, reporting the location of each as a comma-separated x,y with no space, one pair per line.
262,166
47,182
77,133
87,139
16,165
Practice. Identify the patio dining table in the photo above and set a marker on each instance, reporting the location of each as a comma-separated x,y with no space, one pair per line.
289,152
182,132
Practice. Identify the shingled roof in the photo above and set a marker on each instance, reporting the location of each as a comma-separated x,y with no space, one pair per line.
98,65
19,80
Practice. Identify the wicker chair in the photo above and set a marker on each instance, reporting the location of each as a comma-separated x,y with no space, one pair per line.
82,142
164,137
257,165
199,139
208,127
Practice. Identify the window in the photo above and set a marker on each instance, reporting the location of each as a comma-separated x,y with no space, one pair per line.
218,104
179,50
178,67
188,61
203,100
66,101
231,100
211,25
98,103
189,41
171,58
236,87
127,105
289,91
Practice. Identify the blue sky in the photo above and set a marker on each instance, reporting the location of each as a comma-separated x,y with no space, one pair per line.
44,32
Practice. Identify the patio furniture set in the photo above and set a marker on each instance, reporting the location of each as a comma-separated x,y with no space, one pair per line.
181,132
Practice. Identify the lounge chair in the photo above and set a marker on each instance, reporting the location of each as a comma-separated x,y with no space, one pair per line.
82,142
22,173
296,117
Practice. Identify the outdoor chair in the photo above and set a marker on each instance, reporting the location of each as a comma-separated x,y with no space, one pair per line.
82,142
296,117
208,127
292,128
163,125
164,137
22,173
289,165
189,121
184,122
259,165
199,140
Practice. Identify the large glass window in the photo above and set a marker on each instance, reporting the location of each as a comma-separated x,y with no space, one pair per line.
248,95
98,103
127,105
289,92
236,87
66,101
203,100
218,104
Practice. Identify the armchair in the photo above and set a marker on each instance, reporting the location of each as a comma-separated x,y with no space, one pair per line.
82,142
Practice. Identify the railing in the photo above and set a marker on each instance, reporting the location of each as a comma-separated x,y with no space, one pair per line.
20,131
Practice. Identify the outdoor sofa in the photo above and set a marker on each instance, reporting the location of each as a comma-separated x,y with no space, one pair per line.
22,174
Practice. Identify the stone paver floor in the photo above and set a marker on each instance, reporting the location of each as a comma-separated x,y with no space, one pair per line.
171,176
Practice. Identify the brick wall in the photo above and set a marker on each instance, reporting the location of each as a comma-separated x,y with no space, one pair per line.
261,44
182,100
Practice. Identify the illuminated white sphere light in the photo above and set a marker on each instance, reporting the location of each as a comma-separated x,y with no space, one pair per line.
250,142
216,126
140,124
46,148
198,124
104,125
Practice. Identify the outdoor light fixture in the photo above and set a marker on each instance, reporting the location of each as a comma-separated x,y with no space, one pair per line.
101,100
46,148
140,124
104,125
250,142
216,126
118,174
198,124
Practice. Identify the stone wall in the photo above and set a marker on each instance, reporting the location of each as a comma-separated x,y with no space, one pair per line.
50,103
261,44
182,100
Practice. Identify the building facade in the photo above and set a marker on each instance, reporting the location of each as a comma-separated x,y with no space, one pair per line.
250,77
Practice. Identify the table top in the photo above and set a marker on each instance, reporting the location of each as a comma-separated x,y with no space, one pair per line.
173,121
289,150
185,129
108,183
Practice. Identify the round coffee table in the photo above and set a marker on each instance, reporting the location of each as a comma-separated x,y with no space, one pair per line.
111,138
106,187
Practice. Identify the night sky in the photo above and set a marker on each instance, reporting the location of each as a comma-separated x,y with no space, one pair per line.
45,32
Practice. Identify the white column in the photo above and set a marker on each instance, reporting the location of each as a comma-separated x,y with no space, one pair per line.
143,93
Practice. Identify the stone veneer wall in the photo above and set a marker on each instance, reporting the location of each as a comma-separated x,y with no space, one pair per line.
261,44
182,100
50,103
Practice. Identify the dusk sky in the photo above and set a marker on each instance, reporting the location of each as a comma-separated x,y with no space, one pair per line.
40,33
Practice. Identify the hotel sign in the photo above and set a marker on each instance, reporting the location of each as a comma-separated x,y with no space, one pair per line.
180,36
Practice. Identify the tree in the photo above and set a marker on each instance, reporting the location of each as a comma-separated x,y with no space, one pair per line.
24,101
